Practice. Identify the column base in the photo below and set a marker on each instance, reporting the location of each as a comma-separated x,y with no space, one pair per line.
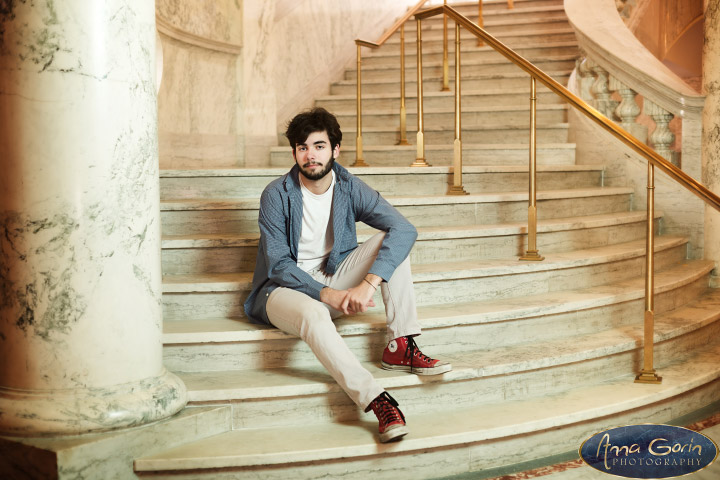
41,413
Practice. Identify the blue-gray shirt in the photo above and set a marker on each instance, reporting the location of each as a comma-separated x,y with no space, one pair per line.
280,221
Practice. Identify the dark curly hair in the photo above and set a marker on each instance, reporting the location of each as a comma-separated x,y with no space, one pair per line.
316,120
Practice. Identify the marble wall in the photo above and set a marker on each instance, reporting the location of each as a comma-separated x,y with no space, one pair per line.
711,129
293,50
198,102
236,70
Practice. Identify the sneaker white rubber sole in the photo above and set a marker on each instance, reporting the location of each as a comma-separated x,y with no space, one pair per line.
436,370
396,432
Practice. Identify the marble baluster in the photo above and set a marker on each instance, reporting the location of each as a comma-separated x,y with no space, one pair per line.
603,98
587,78
711,132
661,138
80,280
628,110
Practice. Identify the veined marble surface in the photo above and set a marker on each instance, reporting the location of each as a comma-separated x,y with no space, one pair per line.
293,51
711,130
219,20
79,216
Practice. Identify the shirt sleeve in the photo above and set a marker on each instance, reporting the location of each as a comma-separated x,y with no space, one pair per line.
282,267
400,235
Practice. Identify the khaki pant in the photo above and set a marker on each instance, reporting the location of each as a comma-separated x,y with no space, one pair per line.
298,314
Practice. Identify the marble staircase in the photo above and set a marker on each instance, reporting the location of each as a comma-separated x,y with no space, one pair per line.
544,353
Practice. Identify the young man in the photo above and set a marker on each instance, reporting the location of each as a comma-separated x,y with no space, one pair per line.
311,270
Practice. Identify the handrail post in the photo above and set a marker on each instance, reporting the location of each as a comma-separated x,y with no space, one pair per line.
420,158
359,162
457,187
532,251
648,374
480,22
446,67
510,4
403,109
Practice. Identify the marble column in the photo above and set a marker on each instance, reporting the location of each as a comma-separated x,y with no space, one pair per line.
80,280
711,131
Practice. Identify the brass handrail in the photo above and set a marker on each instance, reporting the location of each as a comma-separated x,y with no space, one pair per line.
398,25
647,373
618,132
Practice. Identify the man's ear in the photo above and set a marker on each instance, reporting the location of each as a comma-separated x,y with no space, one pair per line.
336,152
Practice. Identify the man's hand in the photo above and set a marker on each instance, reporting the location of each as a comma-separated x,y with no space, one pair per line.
352,300
359,297
335,298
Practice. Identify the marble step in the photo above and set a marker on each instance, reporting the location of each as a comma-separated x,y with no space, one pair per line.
249,183
485,81
475,115
472,99
544,18
191,254
474,134
308,395
498,13
548,63
473,154
109,455
228,344
514,36
448,441
220,295
232,216
471,54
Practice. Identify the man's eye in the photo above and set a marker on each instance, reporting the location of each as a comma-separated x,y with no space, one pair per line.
320,147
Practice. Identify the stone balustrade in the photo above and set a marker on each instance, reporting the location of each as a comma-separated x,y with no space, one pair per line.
626,83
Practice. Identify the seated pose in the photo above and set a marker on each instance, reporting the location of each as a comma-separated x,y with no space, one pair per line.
310,269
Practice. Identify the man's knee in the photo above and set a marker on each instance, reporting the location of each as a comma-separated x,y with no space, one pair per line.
314,321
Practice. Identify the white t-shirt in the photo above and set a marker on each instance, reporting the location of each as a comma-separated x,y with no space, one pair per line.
316,235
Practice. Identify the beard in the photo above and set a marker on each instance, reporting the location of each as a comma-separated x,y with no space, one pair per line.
321,173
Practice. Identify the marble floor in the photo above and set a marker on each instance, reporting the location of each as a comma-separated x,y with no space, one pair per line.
577,470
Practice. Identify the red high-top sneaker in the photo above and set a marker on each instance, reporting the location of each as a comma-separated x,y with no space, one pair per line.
390,418
403,354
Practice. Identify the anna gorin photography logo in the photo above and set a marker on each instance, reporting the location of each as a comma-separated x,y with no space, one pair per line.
648,451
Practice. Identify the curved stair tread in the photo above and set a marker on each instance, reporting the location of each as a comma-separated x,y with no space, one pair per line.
220,330
254,203
468,93
454,428
312,380
470,62
517,47
429,233
469,77
374,170
226,282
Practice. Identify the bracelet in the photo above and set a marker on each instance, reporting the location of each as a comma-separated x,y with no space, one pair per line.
368,281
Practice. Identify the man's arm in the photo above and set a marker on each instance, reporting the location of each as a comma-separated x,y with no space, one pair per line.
400,235
372,209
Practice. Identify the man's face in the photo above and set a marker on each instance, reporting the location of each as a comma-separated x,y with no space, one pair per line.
315,157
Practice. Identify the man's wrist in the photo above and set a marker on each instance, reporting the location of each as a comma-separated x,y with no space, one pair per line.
373,280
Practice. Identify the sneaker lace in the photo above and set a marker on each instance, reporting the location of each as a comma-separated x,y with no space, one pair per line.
413,351
384,407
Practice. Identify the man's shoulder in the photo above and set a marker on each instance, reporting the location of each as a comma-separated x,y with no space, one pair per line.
281,184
